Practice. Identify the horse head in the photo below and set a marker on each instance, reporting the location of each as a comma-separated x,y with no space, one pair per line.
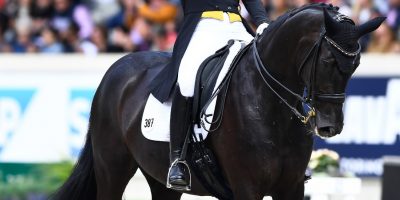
325,76
324,53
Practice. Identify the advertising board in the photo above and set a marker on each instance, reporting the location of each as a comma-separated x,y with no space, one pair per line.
44,110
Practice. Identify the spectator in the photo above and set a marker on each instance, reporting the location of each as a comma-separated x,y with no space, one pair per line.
158,11
49,42
383,40
11,8
41,12
23,41
279,8
362,10
119,38
140,35
130,32
171,34
103,10
73,43
393,17
298,3
126,17
99,38
41,9
19,33
344,7
137,25
165,37
382,6
23,18
2,4
4,46
67,13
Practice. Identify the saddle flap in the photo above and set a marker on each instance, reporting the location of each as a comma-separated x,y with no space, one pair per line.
206,79
209,81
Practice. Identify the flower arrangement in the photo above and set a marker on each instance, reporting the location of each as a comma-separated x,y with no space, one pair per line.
324,162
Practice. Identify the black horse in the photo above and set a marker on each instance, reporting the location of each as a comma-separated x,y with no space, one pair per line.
264,141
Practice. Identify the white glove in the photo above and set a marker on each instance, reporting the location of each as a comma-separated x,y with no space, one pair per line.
261,27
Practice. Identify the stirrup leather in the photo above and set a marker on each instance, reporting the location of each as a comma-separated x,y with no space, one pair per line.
177,187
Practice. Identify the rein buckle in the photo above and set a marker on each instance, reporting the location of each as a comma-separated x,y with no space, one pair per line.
311,113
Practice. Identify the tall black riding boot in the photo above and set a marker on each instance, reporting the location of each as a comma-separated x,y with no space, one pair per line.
179,125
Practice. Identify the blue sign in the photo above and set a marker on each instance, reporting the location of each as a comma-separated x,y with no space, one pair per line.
80,105
13,104
372,126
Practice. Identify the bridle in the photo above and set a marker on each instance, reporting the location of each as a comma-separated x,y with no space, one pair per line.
309,99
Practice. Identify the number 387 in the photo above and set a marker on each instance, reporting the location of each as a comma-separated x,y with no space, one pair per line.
148,122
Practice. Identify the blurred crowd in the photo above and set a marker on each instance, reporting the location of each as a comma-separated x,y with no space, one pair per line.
94,26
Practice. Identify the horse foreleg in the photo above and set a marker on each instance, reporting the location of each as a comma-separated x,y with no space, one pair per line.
160,191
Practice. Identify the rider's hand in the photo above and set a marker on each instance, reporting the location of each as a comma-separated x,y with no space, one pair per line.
261,27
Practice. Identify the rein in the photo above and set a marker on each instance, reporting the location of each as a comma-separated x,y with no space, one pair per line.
312,96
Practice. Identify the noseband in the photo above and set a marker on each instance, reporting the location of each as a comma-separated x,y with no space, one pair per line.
312,96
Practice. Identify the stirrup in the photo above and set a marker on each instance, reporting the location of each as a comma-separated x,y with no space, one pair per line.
178,187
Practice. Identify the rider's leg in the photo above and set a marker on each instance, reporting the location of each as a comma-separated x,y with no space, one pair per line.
179,125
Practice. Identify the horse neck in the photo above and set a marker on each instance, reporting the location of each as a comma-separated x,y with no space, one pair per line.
257,108
280,60
284,49
257,103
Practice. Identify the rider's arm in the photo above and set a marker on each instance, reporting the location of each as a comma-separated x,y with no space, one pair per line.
256,11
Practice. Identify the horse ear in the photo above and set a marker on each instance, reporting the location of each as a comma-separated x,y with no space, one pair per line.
330,24
370,26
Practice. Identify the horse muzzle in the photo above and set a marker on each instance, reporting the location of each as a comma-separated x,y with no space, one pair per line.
328,125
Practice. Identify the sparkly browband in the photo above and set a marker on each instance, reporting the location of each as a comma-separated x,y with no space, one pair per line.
338,47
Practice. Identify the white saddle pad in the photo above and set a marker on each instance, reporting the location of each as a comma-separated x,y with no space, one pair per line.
156,115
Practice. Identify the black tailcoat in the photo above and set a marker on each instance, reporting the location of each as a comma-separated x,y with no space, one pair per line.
161,87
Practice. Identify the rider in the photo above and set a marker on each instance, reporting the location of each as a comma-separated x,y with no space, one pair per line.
207,26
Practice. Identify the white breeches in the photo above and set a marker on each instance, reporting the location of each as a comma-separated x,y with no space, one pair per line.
209,36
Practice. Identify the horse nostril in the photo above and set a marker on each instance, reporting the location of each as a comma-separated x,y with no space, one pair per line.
327,131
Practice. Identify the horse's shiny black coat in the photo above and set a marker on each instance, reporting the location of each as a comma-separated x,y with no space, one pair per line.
262,148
